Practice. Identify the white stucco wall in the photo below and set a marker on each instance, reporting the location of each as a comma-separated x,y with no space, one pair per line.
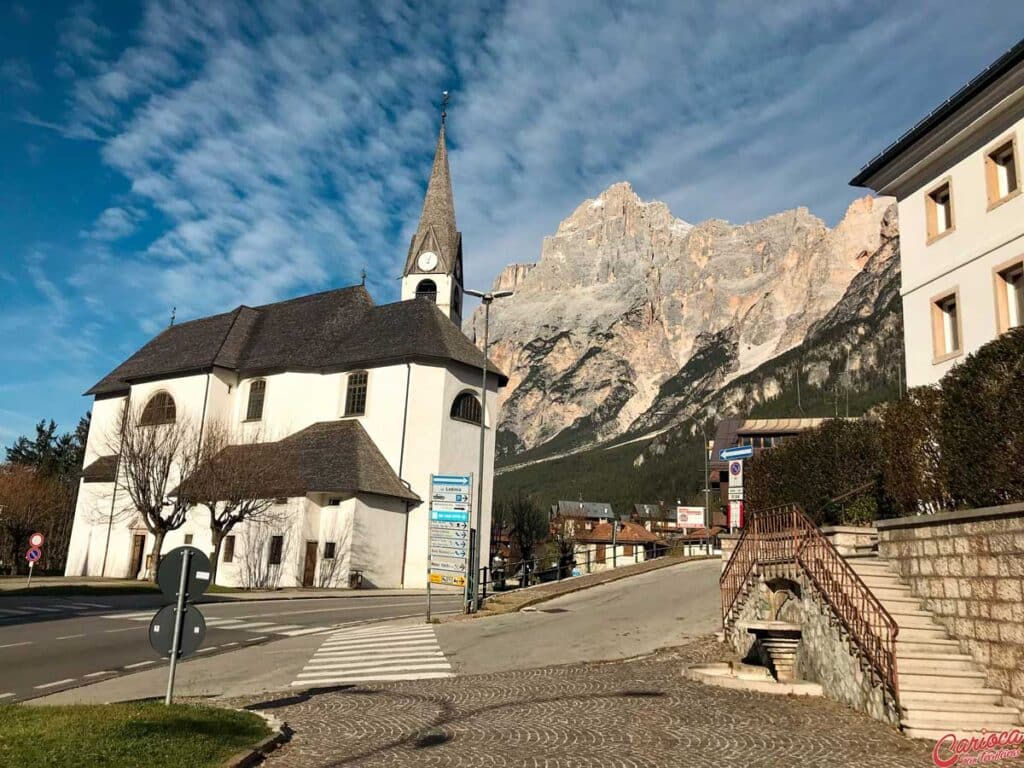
962,260
378,540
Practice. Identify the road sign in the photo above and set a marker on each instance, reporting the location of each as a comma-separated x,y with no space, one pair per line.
737,452
36,540
449,516
448,579
735,494
168,575
161,631
735,514
33,554
449,533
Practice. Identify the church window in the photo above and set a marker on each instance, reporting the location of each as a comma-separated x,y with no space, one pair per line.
257,393
159,410
355,396
276,549
427,289
467,408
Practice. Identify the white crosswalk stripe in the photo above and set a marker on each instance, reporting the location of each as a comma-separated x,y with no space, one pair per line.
38,611
369,654
240,625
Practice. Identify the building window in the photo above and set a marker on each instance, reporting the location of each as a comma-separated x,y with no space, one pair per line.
188,538
159,410
276,546
946,330
627,550
355,396
281,500
427,289
229,549
257,392
939,203
329,550
1010,296
1001,173
467,408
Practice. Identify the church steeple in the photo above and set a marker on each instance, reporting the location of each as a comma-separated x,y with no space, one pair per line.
434,262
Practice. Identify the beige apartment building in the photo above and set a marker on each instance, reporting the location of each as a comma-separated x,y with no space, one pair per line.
957,178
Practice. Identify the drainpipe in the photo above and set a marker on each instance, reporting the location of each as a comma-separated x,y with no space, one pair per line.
117,470
405,419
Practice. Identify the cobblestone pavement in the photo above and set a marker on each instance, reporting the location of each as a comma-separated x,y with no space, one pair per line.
631,713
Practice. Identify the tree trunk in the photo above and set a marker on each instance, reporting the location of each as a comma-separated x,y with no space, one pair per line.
158,545
217,535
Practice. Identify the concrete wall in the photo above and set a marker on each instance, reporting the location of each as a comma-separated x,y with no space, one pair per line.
969,567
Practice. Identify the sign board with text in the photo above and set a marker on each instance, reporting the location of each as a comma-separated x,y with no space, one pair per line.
736,452
690,517
735,514
449,529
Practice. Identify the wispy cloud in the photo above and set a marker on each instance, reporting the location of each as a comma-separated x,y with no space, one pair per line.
17,73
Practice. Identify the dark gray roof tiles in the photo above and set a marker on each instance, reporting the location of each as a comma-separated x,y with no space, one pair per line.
102,470
335,330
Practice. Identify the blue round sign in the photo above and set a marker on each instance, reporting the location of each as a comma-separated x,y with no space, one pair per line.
33,554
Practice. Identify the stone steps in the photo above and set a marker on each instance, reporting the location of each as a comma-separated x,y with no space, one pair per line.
941,689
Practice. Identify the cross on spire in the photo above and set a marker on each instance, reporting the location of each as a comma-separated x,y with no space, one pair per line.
444,107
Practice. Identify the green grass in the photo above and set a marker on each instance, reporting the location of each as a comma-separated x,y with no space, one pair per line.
125,735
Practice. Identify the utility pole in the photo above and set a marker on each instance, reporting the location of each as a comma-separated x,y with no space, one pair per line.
486,297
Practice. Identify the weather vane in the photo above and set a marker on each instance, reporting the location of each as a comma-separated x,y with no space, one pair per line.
444,106
363,274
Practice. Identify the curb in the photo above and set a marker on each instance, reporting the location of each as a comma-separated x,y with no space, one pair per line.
250,757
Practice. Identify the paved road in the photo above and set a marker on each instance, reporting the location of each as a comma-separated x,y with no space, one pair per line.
52,644
617,620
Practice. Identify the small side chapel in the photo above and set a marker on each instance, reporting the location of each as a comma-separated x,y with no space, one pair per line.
371,398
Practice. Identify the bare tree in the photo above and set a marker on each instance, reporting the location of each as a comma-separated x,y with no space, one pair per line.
29,500
527,525
256,571
231,483
563,536
155,457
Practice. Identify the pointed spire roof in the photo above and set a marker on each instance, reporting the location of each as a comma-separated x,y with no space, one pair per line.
437,231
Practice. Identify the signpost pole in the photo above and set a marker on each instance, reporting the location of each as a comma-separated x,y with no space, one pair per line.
179,616
430,542
30,564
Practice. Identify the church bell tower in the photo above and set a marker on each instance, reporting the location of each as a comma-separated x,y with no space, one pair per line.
433,268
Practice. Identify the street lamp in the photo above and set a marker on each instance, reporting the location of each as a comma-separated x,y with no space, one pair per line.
486,297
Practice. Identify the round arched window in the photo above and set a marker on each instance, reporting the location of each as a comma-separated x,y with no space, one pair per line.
466,407
427,289
159,410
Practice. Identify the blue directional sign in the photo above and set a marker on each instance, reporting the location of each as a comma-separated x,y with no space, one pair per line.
738,452
449,516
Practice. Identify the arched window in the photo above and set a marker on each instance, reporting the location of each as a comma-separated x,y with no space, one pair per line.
355,396
257,393
427,289
159,410
466,408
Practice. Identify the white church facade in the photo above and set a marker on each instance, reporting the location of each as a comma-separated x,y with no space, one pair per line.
366,401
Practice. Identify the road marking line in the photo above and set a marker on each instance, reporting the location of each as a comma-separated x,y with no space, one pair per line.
307,631
360,607
383,654
69,637
136,615
277,629
341,644
373,678
123,629
138,664
97,674
381,635
374,666
90,605
228,645
257,639
54,685
12,612
6,695
207,650
15,645
36,609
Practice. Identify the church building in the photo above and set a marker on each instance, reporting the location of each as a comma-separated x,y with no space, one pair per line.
363,402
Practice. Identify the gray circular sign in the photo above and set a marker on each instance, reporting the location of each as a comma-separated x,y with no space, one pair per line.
168,574
161,631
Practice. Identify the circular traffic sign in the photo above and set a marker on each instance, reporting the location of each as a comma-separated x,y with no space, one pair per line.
36,540
168,574
33,554
161,631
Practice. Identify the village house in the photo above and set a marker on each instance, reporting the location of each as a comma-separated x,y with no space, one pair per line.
359,402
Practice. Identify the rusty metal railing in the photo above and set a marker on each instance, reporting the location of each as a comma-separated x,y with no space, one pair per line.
785,535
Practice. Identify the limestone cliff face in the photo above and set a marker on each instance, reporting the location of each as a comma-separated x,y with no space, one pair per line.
626,299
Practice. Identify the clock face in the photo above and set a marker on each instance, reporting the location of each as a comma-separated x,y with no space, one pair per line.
427,261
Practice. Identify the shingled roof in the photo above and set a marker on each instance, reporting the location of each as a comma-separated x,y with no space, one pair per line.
327,457
335,330
102,470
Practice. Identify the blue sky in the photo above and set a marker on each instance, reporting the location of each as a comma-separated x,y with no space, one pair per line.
202,155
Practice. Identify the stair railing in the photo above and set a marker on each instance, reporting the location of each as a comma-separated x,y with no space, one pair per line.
785,535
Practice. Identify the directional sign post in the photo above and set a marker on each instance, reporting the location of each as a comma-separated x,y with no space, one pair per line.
449,534
736,452
183,574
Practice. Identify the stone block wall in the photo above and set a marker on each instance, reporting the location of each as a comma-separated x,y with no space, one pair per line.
969,568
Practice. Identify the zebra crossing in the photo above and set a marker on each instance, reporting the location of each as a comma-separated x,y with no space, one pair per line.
375,654
240,625
69,607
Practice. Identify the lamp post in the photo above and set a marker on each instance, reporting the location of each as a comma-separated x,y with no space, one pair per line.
486,297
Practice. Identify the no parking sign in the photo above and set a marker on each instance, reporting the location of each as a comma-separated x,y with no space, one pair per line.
33,554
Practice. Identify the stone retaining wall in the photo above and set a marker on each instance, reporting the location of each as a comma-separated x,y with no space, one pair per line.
969,568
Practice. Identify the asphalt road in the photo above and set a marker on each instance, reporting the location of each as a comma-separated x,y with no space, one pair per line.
618,620
49,644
